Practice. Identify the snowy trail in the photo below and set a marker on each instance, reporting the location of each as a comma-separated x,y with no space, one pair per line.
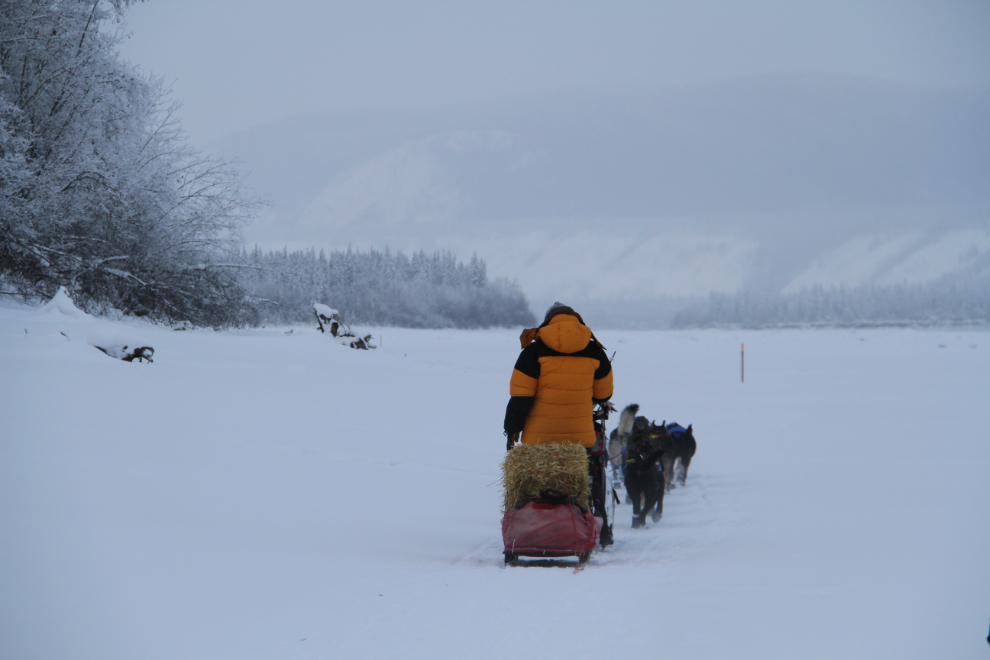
269,495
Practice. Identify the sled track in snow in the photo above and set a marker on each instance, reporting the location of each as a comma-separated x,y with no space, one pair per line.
696,516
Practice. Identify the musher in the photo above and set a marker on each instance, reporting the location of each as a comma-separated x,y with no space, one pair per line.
561,374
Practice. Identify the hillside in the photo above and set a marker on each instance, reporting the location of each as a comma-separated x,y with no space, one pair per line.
759,184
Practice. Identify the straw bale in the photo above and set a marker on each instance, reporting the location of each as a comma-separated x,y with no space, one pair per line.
529,469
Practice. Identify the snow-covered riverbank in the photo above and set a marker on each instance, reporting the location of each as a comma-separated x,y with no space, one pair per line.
272,494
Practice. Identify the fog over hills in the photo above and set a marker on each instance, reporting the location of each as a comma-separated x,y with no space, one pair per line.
599,197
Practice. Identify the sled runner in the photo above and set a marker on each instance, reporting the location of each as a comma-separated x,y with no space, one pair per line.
568,516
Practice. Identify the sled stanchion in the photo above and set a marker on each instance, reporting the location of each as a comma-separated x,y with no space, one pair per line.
742,363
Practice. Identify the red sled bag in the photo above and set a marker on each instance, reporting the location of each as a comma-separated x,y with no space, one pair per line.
544,529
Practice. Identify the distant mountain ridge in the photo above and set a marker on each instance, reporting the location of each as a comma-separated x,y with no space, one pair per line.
756,183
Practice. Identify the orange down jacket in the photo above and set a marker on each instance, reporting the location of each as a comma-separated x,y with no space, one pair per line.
556,381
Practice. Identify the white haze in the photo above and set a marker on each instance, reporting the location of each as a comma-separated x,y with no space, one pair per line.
766,184
604,156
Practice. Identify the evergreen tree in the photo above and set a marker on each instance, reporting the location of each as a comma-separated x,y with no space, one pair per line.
427,291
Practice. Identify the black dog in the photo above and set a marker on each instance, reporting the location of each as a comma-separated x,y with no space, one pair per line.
678,444
643,480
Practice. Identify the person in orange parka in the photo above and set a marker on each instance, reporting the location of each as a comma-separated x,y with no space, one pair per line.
559,376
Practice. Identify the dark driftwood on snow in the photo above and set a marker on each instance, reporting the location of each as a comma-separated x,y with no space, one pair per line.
130,354
363,343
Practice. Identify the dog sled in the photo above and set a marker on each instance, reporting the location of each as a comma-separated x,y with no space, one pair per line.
559,499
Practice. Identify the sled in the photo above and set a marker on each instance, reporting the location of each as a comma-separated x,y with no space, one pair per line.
553,525
549,529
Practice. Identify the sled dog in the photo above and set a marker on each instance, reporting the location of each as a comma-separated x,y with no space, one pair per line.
619,438
679,447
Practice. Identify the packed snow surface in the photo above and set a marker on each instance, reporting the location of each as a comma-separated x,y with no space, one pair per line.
267,494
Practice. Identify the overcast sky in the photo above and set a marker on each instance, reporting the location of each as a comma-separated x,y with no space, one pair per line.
239,63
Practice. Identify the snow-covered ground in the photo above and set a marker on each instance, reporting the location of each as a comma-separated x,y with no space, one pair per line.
272,494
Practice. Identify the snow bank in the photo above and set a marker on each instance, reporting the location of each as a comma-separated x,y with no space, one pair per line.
60,316
62,303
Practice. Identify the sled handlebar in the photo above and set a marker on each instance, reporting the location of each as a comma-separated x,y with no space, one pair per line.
602,410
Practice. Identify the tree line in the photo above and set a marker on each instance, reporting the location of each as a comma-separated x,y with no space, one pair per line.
959,301
381,288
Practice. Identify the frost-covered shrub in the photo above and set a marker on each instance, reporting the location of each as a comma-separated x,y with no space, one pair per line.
99,191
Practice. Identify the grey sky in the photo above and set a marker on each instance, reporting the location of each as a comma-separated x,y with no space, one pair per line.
758,144
238,63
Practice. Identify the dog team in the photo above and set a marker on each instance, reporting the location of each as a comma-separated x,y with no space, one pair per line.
650,458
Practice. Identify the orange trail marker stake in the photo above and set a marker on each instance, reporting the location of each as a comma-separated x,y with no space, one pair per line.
742,363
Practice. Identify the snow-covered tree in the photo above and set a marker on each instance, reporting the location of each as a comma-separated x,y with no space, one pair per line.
99,190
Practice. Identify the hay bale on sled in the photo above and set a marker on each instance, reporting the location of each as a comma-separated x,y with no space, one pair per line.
529,470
